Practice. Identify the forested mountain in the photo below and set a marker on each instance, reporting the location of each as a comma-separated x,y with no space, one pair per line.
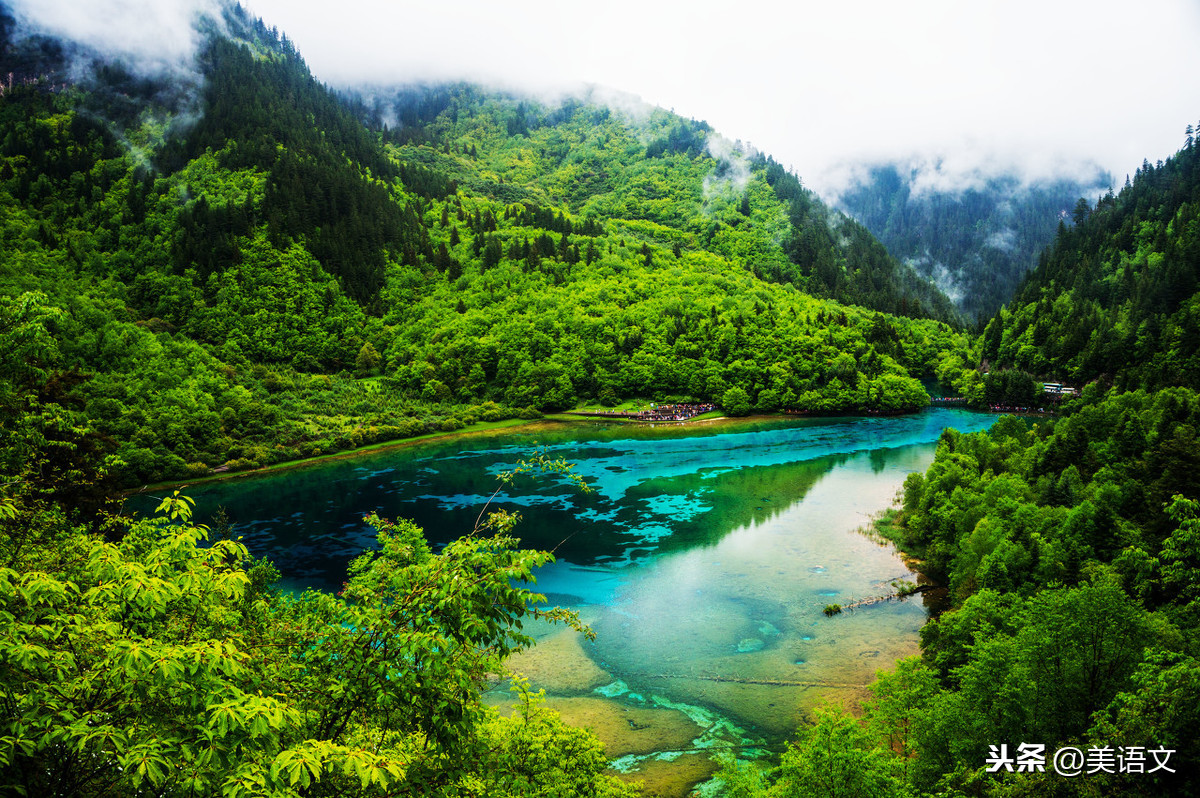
228,268
628,161
220,267
1115,299
976,239
1069,548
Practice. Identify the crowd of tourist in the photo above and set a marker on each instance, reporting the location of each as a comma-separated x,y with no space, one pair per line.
673,412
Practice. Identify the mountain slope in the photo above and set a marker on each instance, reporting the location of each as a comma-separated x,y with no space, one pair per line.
976,240
248,274
1116,297
1069,547
631,162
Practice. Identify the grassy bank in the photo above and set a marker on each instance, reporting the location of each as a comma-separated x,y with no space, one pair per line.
478,427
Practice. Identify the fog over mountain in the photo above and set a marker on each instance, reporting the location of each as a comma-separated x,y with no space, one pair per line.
982,88
1045,87
151,37
974,234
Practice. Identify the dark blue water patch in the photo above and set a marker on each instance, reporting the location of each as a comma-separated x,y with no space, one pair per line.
564,600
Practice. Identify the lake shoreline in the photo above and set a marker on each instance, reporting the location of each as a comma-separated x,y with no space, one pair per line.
479,428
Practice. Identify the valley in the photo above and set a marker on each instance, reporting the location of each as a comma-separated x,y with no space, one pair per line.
377,305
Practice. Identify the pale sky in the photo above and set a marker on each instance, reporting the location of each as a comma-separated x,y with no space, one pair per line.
1042,85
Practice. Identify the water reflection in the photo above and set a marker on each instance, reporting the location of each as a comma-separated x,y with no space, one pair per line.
739,624
703,560
655,489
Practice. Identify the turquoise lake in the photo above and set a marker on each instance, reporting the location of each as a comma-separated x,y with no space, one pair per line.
702,559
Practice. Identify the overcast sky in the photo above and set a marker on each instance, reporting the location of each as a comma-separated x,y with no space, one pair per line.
1042,84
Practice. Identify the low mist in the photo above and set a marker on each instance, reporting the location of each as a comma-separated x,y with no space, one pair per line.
148,36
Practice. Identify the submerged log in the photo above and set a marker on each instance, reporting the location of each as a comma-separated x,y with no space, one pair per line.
866,602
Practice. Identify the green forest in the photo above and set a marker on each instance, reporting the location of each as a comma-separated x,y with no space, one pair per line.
1069,548
214,312
975,235
265,270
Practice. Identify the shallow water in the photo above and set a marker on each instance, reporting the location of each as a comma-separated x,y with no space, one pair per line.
703,560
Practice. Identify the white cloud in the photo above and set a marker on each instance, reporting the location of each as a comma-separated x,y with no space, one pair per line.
946,280
1044,86
1004,240
159,36
732,172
